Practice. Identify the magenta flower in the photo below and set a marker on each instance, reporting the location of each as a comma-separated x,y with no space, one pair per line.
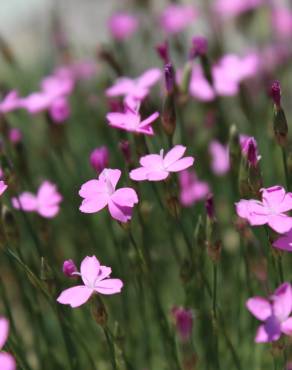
157,167
122,25
175,18
192,189
134,90
131,121
10,102
95,279
7,362
3,187
69,268
219,153
183,322
60,110
233,8
46,202
274,312
102,192
99,158
271,210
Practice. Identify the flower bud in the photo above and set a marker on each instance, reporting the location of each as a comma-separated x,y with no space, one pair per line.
280,125
69,268
169,75
209,204
250,150
183,320
168,111
199,47
275,93
163,51
99,158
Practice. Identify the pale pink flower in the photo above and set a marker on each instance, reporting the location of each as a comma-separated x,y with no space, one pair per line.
102,192
271,210
220,163
131,121
46,202
7,362
192,189
183,322
175,18
60,110
3,187
134,90
99,158
157,167
274,312
10,102
95,279
122,25
233,8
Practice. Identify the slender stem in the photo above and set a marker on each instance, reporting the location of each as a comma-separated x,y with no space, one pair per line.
111,348
284,156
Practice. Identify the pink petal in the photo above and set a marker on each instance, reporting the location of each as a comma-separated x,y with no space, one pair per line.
93,205
286,326
75,296
3,187
89,269
273,196
25,201
263,337
122,86
220,163
173,155
125,197
286,204
181,164
157,175
284,242
147,130
48,194
49,211
149,120
4,331
110,175
152,161
109,286
104,272
259,307
7,362
139,174
149,77
120,213
92,188
280,223
200,87
282,301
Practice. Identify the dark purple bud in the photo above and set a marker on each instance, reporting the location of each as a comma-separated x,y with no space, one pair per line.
99,158
69,268
183,321
275,92
209,205
163,51
199,47
250,150
126,150
169,77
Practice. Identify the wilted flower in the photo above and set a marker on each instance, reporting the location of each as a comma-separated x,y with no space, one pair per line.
274,312
271,210
100,193
7,362
99,158
183,322
46,202
192,189
95,279
157,167
175,18
122,25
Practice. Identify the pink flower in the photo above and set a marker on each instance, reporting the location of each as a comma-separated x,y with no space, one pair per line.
95,279
99,158
122,25
134,90
220,163
10,102
15,135
284,242
191,188
157,167
7,362
183,322
282,21
131,121
69,268
271,210
46,202
102,192
175,18
60,110
274,312
3,187
233,8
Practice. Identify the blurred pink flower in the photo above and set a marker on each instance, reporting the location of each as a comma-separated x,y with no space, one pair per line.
134,90
46,202
60,110
175,18
7,362
157,167
122,25
95,279
233,8
191,188
274,312
10,102
100,193
220,163
130,120
15,135
282,21
271,210
99,158
3,187
183,322
69,268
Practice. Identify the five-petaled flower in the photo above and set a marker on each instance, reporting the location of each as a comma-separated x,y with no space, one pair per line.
102,192
95,279
7,362
274,312
157,167
271,210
